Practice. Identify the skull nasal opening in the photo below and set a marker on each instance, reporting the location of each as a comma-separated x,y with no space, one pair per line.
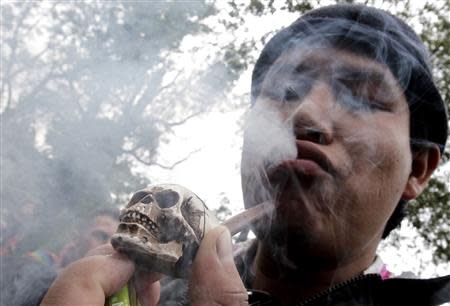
167,198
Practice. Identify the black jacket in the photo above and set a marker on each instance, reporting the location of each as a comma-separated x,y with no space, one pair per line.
372,290
367,290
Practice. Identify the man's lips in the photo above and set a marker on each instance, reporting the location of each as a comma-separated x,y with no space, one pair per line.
310,161
310,151
304,167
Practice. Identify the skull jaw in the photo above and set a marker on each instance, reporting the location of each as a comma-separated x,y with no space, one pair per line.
168,258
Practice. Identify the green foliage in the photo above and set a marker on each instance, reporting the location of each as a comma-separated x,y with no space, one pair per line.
430,214
83,104
236,59
435,34
431,211
256,7
298,6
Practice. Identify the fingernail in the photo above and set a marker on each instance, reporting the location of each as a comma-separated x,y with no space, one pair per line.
224,246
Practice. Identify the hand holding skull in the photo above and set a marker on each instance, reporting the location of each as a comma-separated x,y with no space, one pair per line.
161,229
214,278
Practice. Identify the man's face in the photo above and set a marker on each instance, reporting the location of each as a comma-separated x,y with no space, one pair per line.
350,127
100,231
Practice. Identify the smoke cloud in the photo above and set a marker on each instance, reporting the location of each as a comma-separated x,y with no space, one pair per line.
269,139
90,92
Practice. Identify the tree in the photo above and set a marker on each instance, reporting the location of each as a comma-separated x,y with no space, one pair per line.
89,91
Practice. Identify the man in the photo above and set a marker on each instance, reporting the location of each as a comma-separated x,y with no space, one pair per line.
96,232
369,127
349,91
25,279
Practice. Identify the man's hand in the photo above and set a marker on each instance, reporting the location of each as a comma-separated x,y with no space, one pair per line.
90,280
215,279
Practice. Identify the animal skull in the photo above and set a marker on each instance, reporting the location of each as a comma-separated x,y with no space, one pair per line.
161,228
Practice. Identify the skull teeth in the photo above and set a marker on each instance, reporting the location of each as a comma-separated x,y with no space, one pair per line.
137,217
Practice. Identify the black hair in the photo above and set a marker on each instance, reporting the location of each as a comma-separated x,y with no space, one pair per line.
378,35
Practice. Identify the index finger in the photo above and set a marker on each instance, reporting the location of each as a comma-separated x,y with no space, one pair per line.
104,249
88,280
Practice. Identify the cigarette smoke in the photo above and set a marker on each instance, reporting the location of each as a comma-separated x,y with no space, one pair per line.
91,91
268,140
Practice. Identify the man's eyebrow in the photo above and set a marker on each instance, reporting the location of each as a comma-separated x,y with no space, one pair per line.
358,74
364,78
343,72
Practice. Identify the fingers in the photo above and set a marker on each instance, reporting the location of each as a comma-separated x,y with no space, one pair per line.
104,249
88,280
214,278
146,282
147,287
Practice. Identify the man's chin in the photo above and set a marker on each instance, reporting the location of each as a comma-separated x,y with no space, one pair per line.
297,249
279,182
276,231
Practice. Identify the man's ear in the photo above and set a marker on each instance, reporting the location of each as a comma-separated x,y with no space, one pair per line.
423,165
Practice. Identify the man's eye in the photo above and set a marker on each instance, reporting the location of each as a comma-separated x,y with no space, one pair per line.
376,105
272,94
373,99
368,104
361,98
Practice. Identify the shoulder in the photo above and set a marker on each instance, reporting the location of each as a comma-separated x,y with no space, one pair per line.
413,291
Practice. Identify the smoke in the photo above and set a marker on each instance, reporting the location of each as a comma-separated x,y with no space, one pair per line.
269,139
91,91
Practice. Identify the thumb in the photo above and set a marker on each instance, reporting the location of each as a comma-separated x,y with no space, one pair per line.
89,280
214,278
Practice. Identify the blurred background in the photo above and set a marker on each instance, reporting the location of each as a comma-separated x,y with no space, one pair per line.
102,98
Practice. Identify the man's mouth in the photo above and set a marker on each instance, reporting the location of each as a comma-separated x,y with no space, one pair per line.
311,162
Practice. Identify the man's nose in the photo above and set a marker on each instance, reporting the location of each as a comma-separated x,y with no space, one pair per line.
313,118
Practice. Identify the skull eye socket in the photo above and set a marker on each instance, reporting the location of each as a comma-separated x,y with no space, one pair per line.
147,199
137,197
167,198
